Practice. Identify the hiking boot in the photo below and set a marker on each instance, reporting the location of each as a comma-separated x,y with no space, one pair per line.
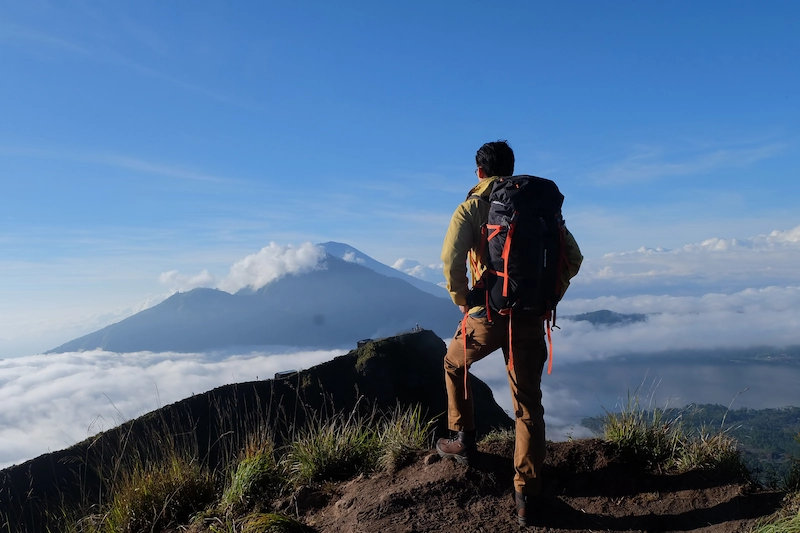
523,508
458,446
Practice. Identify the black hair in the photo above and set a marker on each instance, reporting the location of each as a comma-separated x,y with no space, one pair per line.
496,159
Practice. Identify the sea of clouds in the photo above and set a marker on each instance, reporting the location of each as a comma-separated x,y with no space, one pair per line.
53,401
713,294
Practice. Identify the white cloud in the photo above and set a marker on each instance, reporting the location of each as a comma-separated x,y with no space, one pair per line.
53,401
776,240
177,282
713,265
649,164
431,273
50,402
350,257
271,263
255,270
751,317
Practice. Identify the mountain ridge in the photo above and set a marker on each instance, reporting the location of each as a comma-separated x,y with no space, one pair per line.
325,308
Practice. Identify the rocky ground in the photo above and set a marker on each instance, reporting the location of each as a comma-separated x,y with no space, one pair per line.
587,488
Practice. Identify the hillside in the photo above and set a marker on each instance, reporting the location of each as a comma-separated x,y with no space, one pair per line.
588,484
406,369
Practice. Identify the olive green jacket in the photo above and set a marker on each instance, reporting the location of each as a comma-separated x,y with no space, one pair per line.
463,243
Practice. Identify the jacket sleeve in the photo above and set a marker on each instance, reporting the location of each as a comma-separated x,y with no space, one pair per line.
457,244
574,260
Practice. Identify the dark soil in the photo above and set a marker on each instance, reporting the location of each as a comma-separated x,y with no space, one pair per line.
587,487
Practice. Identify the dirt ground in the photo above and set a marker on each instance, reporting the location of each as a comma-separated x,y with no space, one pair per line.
586,488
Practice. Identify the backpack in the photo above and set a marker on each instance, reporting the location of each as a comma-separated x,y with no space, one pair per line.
524,251
524,236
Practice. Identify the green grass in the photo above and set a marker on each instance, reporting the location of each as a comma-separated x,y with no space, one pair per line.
332,448
788,524
657,440
153,497
342,445
791,483
402,433
646,437
271,523
786,520
499,435
257,523
254,479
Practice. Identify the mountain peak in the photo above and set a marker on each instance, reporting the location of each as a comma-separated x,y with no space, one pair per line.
353,255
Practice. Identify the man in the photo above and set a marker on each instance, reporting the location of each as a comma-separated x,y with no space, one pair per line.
462,243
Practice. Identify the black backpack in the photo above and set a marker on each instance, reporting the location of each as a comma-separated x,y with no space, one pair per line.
524,239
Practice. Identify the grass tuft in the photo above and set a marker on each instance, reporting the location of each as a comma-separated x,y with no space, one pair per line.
271,523
154,497
256,478
711,450
656,439
402,434
791,483
786,520
648,438
332,448
499,435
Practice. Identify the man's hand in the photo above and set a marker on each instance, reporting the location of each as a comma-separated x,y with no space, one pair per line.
464,309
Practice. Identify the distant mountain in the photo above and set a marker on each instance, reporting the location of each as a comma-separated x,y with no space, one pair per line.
604,317
334,306
348,253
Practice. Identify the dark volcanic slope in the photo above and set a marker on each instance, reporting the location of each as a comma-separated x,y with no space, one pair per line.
326,308
406,369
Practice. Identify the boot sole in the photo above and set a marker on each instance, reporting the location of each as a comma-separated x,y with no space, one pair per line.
460,459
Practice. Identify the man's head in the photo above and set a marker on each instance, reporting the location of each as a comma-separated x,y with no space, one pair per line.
496,159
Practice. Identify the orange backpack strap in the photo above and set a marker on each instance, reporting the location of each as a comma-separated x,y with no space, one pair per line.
510,341
550,345
464,340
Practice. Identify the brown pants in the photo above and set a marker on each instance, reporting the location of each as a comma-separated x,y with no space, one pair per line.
525,379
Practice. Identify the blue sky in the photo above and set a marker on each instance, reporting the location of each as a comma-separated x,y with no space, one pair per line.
147,137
